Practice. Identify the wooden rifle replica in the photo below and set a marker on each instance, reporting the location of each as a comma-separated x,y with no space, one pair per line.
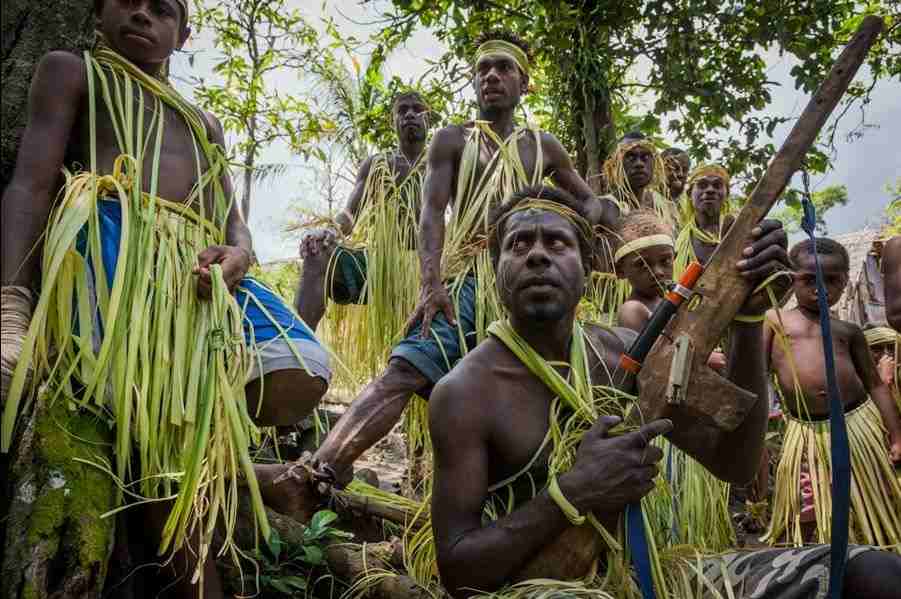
675,379
686,340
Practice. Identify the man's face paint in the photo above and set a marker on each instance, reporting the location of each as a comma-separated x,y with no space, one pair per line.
540,274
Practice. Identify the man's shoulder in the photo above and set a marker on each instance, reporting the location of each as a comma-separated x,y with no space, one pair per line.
453,132
472,375
846,328
65,71
615,340
447,143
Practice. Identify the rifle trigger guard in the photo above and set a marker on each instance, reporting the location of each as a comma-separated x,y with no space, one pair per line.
680,370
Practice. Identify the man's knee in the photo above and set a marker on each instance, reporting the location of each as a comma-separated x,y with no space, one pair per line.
284,397
401,375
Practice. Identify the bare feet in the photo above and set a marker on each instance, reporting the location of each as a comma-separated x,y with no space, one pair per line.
289,489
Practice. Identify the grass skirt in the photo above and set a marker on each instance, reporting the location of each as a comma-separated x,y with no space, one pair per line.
875,484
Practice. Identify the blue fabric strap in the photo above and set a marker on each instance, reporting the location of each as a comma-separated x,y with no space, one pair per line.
841,454
638,547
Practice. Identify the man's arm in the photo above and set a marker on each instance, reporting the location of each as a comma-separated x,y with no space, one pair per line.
891,269
633,315
558,165
608,474
444,153
736,456
470,556
878,390
55,99
235,256
348,217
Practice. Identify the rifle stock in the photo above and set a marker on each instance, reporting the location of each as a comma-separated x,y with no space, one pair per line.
722,290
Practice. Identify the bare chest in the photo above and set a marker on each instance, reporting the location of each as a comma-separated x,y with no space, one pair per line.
170,172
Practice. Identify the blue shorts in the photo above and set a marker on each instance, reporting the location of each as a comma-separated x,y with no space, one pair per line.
276,334
436,355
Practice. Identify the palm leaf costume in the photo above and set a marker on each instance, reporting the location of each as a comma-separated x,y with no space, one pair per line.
465,248
128,338
385,236
875,484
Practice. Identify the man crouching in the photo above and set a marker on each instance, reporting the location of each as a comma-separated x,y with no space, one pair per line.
495,509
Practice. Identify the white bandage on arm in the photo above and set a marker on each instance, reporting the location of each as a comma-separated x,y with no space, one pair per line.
16,306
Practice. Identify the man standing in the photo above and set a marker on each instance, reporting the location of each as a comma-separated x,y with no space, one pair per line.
471,167
636,176
678,165
502,423
707,215
376,266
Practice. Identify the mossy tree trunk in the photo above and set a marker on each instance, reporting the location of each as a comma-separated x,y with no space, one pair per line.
29,30
57,545
53,543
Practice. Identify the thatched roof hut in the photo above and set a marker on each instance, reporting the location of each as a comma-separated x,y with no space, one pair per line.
864,298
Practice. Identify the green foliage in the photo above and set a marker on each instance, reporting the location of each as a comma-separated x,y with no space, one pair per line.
281,277
255,40
360,98
705,73
791,213
285,568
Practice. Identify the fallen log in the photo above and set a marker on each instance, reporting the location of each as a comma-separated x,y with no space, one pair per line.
348,562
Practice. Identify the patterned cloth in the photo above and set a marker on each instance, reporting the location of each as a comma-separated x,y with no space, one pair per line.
801,573
347,276
270,327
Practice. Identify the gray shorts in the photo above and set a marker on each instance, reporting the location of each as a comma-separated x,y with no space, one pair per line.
278,354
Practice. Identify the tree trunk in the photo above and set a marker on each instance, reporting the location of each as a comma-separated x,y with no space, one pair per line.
249,164
57,545
598,134
29,30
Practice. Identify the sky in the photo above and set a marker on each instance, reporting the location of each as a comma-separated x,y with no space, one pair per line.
865,165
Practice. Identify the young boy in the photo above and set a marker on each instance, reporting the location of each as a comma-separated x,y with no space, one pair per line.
645,258
884,345
142,247
794,348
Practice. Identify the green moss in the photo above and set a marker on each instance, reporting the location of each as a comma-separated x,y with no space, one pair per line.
72,493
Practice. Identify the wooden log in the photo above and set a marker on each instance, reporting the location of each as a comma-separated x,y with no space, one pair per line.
348,562
353,504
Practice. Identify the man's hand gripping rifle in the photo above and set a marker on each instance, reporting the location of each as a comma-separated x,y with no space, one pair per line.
678,359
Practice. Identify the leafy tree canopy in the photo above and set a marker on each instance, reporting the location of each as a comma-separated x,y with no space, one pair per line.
700,65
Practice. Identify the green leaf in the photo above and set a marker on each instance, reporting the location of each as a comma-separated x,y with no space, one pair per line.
322,519
313,555
274,543
282,587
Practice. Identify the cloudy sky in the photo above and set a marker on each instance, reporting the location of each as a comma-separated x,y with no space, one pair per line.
865,165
